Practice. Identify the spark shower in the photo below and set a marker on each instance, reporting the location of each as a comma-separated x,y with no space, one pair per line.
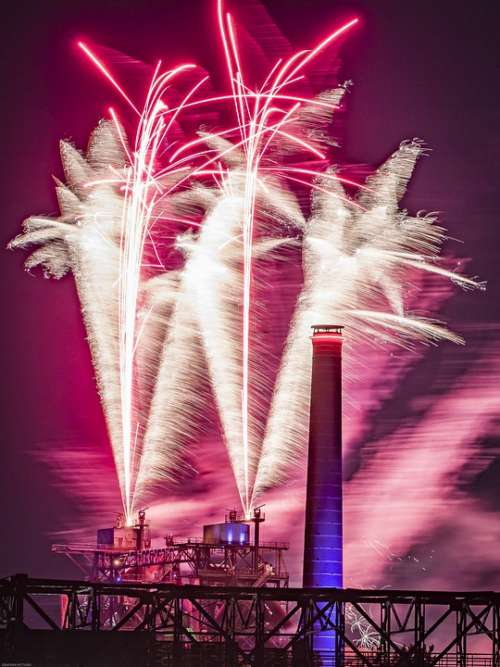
171,232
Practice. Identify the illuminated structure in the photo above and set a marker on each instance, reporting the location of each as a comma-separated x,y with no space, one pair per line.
323,534
224,556
323,529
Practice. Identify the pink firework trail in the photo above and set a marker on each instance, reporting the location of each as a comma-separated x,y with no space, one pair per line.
256,113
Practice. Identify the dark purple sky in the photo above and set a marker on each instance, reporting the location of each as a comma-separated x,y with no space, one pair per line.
423,69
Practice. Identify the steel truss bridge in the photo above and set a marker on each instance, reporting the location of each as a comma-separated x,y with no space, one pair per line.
80,623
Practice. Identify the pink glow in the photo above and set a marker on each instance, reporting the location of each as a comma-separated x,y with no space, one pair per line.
410,474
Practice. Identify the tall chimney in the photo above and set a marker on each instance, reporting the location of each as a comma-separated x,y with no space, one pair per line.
323,531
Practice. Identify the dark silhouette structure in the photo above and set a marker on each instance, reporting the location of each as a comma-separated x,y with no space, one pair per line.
67,623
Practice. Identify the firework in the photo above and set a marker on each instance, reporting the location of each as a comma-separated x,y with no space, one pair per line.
163,337
355,253
85,239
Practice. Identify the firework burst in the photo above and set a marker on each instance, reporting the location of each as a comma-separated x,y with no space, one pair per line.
163,337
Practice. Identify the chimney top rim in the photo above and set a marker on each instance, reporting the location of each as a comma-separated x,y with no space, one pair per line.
327,328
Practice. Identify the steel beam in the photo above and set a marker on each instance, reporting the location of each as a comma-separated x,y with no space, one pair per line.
262,626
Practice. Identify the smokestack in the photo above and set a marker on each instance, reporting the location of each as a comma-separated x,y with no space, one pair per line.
323,532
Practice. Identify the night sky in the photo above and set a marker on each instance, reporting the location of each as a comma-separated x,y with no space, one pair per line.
420,69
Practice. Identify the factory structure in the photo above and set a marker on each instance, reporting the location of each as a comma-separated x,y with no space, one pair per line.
323,526
229,553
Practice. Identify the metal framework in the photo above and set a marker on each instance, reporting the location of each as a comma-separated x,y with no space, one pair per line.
208,625
189,560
